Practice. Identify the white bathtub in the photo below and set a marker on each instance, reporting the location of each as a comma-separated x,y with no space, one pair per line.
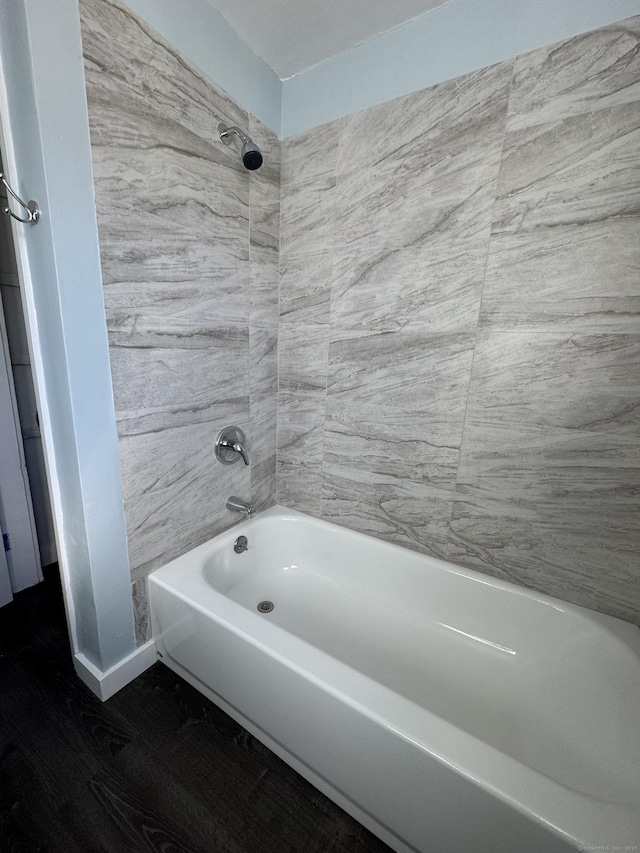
445,710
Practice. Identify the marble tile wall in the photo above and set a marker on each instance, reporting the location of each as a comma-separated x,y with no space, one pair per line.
189,246
459,364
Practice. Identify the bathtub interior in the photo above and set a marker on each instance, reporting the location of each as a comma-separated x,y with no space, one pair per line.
550,685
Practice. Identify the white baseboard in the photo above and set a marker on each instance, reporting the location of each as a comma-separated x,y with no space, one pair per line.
105,684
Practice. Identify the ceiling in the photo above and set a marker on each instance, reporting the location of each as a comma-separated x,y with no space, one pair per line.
292,35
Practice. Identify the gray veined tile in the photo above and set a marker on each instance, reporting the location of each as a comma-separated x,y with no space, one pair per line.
300,490
552,508
264,218
268,175
190,303
141,611
264,284
581,278
305,288
391,442
172,185
575,556
308,181
263,483
541,464
582,382
261,437
127,56
592,71
154,367
138,422
405,370
414,515
424,287
583,169
430,209
155,270
263,360
174,489
264,188
300,431
423,168
439,117
302,358
300,451
566,478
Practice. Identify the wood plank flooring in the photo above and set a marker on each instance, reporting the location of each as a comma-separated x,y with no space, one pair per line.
157,768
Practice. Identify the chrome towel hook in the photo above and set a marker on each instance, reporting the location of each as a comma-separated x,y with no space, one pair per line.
33,212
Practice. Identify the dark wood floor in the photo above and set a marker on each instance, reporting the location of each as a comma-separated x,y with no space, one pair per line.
155,768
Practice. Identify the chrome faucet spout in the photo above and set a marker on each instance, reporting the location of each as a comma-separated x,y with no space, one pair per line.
235,504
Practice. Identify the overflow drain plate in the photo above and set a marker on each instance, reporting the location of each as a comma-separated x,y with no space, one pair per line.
265,607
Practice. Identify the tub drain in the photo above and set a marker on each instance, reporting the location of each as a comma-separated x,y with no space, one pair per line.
265,606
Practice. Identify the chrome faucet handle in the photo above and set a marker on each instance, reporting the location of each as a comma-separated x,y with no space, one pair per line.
239,448
230,446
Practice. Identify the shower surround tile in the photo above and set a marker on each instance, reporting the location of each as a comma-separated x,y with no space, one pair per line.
581,170
583,382
189,245
264,229
169,476
264,483
547,490
423,167
414,515
391,473
405,370
160,269
418,288
159,365
141,611
262,428
395,443
302,359
570,278
308,181
263,361
482,388
555,509
125,57
300,449
305,288
578,557
591,71
264,188
180,195
263,282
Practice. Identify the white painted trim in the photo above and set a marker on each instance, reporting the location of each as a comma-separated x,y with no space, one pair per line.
106,684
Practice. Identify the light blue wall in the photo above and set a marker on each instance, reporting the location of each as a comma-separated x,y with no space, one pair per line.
46,136
454,39
204,37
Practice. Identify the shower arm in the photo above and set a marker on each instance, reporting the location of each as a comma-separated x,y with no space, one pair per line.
227,130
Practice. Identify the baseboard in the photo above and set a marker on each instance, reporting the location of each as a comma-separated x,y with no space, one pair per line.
105,684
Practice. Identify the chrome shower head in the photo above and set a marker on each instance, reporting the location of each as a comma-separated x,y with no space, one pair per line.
251,154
